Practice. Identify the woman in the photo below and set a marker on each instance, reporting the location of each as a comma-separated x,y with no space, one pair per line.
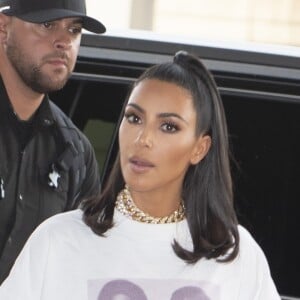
165,219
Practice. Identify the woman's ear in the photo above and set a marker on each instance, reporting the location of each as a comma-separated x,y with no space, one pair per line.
202,147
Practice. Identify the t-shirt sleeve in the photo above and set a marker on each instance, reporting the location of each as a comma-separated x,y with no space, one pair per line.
25,280
256,271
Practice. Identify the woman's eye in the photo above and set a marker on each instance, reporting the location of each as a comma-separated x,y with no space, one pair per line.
169,127
132,118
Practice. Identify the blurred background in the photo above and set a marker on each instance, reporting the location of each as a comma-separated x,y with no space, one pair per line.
235,21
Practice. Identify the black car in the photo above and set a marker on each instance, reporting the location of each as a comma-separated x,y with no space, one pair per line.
260,89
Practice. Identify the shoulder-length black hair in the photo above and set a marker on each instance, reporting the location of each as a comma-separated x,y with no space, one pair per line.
207,186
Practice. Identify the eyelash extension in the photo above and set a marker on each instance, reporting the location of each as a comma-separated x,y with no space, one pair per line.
174,126
128,115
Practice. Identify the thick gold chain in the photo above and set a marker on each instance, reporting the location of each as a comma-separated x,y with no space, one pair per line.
127,207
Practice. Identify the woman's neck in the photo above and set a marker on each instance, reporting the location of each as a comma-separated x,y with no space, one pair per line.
158,203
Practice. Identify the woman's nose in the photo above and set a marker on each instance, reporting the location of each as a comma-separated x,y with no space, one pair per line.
144,139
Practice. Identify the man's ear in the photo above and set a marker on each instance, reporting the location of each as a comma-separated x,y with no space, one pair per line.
201,149
3,27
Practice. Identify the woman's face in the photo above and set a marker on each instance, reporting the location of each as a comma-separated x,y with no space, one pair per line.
157,136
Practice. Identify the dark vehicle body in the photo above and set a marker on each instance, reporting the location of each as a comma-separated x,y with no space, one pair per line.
261,94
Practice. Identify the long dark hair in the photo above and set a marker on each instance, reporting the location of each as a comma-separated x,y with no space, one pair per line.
207,186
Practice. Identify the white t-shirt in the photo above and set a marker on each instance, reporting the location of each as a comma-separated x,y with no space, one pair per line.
63,259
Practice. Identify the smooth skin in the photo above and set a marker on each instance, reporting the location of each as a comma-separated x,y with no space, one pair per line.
36,59
158,142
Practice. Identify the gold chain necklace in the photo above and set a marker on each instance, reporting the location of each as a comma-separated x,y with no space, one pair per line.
127,207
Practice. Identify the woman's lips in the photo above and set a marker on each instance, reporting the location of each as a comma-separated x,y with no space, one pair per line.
140,165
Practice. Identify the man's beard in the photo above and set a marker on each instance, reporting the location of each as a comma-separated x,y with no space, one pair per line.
31,74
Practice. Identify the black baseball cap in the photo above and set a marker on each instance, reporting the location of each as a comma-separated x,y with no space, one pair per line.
40,11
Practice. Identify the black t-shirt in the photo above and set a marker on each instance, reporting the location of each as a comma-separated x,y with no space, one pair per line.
23,129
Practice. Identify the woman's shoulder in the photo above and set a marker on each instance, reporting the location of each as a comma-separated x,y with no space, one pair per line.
69,217
249,247
245,233
63,223
246,238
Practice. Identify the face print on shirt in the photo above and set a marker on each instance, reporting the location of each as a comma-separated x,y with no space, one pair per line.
151,289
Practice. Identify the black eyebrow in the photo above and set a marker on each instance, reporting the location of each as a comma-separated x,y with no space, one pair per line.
136,107
160,115
78,21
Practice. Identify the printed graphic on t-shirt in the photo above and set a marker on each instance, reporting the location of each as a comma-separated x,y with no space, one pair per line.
143,289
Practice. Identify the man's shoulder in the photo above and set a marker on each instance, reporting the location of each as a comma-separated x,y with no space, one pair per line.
61,118
66,125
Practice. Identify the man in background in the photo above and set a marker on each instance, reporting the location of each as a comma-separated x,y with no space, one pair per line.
46,164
